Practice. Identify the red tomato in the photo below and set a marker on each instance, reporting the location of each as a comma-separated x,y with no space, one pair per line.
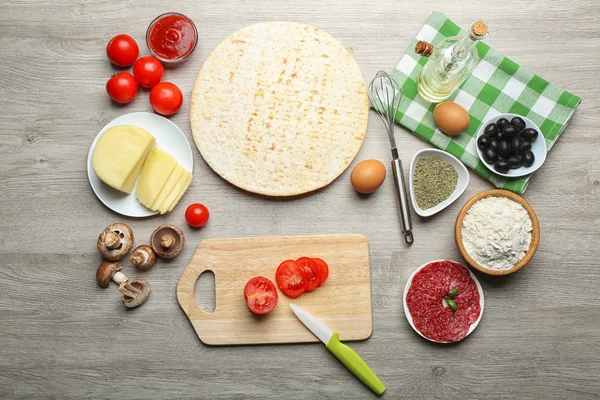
122,87
261,295
311,270
148,71
290,278
324,270
196,215
122,50
166,98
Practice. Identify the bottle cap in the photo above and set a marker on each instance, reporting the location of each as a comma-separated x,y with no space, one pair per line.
479,29
424,48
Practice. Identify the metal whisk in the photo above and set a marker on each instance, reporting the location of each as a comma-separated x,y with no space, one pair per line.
384,97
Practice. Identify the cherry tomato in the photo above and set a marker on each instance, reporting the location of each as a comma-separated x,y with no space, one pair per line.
261,295
324,270
122,87
196,215
166,98
122,50
148,71
290,278
311,270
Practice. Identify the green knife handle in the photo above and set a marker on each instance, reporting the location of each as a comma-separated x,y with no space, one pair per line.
355,364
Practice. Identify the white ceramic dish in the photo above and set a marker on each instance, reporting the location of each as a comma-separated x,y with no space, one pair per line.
409,317
463,180
168,137
538,148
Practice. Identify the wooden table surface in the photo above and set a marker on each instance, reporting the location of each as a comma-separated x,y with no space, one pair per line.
62,336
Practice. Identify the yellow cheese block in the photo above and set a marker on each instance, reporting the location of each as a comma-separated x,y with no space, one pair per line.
119,155
154,176
180,187
175,175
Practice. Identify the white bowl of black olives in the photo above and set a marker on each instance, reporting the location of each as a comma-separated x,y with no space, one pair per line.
511,145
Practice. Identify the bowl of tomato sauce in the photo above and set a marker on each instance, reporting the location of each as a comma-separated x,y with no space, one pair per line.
171,37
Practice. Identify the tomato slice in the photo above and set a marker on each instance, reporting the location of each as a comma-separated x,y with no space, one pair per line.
324,270
311,269
261,295
290,278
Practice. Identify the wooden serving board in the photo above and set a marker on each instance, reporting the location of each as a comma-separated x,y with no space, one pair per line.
343,302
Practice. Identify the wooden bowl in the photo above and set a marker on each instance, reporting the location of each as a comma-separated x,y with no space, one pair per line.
535,232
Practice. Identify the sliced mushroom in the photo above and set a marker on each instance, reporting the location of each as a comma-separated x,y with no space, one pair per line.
134,293
143,257
167,241
115,241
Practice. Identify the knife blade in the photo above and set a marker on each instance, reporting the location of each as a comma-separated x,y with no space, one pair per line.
345,354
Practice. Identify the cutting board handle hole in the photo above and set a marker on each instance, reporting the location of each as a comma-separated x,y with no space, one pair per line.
205,291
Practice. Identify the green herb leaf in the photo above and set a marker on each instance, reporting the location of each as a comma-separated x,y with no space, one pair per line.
451,304
453,293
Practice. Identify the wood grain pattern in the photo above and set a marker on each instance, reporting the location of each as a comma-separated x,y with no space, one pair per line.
343,303
62,336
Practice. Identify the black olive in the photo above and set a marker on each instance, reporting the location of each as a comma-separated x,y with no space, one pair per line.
491,130
502,166
528,158
514,162
526,146
490,155
516,145
483,141
529,134
509,132
503,148
493,145
502,123
518,123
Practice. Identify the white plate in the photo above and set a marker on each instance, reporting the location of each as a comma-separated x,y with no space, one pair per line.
409,317
463,180
538,148
168,137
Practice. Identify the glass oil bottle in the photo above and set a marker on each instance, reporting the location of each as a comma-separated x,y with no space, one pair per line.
450,63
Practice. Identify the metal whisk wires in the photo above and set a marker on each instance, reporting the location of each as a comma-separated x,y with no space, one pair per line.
384,98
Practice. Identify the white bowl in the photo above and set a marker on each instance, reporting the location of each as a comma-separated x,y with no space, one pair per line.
463,180
538,148
409,317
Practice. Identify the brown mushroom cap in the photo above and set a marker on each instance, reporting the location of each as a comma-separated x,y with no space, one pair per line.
134,293
115,241
143,257
105,272
167,241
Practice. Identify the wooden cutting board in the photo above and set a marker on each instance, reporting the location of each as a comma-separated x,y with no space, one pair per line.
343,302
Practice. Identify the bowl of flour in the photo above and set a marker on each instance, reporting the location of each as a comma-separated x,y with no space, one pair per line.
497,232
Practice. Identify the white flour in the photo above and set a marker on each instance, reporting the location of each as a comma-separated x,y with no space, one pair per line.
496,232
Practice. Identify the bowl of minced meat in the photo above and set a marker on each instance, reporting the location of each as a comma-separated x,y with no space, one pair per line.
497,232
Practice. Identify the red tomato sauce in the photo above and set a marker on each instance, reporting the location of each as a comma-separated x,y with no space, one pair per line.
172,37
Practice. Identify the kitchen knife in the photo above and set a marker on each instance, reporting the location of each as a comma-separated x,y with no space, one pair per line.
345,354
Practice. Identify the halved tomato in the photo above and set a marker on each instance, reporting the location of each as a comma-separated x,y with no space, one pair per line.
311,269
261,295
290,278
324,270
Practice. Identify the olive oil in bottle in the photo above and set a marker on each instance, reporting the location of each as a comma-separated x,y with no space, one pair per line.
450,63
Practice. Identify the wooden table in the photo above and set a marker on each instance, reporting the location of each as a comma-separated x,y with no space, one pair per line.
62,336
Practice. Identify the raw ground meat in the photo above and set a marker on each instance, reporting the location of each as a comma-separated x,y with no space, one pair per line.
424,301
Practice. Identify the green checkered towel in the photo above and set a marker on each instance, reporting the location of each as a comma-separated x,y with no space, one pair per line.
498,85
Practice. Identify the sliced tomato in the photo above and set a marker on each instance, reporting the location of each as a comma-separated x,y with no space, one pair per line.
311,269
290,278
261,295
323,271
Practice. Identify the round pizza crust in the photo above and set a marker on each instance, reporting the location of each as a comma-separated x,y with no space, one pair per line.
279,109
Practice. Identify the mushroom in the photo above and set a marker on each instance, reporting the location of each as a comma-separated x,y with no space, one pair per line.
115,241
167,241
134,293
143,257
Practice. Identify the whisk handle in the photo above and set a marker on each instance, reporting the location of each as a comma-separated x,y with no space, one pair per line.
402,196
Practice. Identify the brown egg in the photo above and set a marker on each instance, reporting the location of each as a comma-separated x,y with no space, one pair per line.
367,176
451,118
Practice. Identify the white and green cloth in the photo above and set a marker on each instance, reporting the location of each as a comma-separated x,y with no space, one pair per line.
498,85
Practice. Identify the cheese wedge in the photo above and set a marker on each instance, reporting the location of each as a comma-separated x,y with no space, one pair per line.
154,176
119,156
180,188
166,191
